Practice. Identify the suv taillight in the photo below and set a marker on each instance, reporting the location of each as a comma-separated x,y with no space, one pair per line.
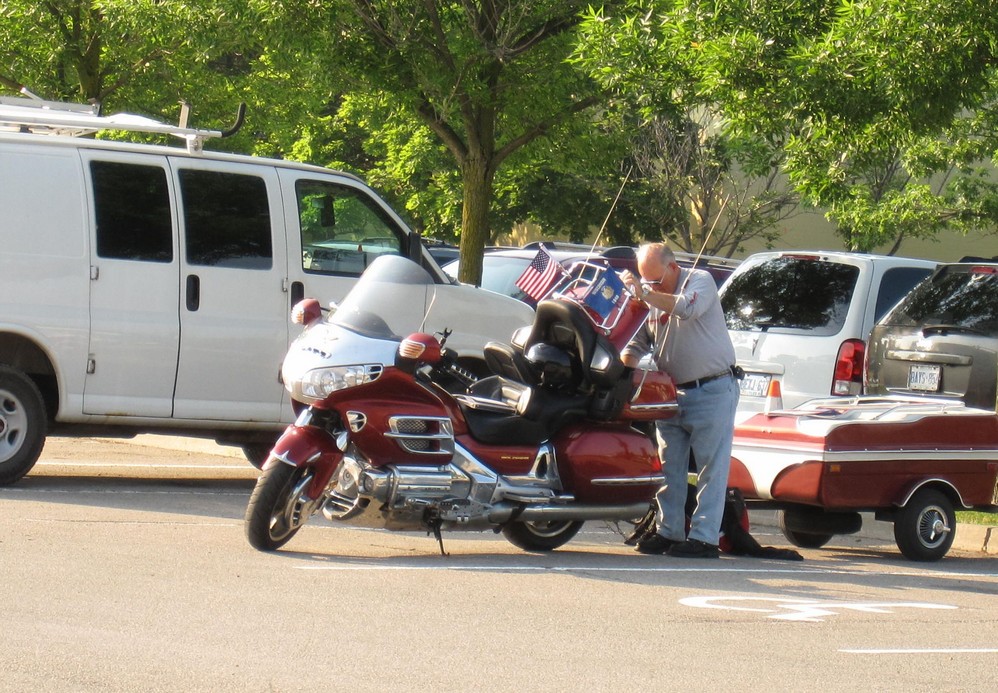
848,378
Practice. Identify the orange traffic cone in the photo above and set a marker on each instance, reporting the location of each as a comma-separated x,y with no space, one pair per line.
774,398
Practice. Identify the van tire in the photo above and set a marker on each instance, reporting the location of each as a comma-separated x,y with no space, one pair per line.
23,424
257,454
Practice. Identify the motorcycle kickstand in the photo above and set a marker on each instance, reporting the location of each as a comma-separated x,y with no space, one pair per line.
434,528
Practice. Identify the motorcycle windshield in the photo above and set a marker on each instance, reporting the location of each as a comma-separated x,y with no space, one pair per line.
388,302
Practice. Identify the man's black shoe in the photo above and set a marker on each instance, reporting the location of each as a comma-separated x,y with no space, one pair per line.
656,544
693,548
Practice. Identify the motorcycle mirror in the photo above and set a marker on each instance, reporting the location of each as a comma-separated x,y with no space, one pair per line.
306,311
420,346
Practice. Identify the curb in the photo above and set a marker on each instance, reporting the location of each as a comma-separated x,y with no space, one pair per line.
982,538
202,446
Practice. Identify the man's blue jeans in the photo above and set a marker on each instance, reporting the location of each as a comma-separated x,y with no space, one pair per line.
704,424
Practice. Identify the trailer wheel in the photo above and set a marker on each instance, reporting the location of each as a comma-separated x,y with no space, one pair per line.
925,527
805,540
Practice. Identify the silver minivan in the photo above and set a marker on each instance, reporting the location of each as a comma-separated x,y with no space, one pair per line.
802,318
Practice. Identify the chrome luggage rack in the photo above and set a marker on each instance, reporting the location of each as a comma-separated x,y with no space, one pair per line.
578,288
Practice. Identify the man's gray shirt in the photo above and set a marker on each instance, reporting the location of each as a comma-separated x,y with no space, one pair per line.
697,344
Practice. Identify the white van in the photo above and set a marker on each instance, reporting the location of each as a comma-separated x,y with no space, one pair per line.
148,288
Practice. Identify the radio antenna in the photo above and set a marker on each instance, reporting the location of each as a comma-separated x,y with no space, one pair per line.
613,206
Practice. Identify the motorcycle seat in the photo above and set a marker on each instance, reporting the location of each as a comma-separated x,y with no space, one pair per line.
499,411
506,361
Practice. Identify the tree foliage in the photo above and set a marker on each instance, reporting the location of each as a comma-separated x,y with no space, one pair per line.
474,115
485,78
848,98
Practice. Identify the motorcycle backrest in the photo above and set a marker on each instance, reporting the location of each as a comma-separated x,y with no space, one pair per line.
565,324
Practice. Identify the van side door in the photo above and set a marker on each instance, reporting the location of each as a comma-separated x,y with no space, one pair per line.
336,228
134,286
233,315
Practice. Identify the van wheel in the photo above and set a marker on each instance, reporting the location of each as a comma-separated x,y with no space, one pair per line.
925,527
23,424
257,453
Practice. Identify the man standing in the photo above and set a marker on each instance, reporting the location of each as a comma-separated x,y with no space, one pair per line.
688,339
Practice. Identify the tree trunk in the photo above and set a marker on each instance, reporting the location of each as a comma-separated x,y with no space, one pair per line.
477,178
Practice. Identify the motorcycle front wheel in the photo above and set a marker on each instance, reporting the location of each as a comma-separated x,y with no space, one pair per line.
277,508
541,536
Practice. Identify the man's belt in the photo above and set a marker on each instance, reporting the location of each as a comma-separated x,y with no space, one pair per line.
703,381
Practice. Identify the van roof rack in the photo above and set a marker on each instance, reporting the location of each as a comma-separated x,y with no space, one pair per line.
32,115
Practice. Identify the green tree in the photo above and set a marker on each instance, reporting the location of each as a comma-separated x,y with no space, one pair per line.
872,108
138,55
706,185
487,79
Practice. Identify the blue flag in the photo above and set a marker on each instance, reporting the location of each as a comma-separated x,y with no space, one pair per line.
605,294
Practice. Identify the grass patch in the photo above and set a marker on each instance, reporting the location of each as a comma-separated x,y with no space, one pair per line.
974,517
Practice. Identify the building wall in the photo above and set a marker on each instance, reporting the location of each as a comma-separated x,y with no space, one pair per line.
811,231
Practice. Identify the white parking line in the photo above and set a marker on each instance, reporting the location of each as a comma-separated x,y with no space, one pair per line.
806,610
550,569
125,465
967,650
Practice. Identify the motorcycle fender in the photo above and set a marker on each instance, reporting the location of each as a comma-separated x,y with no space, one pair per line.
308,446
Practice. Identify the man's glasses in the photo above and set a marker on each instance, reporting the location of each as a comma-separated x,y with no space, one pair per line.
649,282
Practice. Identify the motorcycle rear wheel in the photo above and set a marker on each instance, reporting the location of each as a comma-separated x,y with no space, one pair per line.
276,509
541,536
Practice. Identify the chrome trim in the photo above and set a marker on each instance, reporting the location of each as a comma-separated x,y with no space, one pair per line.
629,480
661,406
441,442
935,480
356,420
817,453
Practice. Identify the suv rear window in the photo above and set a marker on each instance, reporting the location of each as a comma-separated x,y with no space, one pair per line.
958,297
790,293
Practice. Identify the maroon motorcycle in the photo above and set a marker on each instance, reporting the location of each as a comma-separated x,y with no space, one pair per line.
392,433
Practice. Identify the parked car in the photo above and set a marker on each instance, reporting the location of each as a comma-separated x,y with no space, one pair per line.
802,319
941,340
441,251
501,268
148,288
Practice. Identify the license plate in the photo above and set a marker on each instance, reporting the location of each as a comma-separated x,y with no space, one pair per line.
754,384
923,378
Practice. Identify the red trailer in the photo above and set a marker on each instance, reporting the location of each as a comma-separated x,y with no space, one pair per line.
909,461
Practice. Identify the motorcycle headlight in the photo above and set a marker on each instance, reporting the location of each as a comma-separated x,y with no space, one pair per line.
321,382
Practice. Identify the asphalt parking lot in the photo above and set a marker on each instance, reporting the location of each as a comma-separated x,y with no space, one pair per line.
125,567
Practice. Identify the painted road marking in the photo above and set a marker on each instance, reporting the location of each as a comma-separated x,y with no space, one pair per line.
510,567
128,465
810,610
965,650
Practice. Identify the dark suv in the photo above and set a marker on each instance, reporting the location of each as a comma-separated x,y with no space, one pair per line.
941,340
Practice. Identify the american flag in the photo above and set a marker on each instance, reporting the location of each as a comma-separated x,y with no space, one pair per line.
541,275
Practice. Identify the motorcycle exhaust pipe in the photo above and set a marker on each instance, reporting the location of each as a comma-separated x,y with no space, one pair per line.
558,513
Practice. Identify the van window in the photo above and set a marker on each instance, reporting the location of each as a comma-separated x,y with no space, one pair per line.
132,209
790,293
342,230
895,283
226,219
965,298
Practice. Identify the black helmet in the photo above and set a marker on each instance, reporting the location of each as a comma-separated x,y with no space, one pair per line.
551,365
